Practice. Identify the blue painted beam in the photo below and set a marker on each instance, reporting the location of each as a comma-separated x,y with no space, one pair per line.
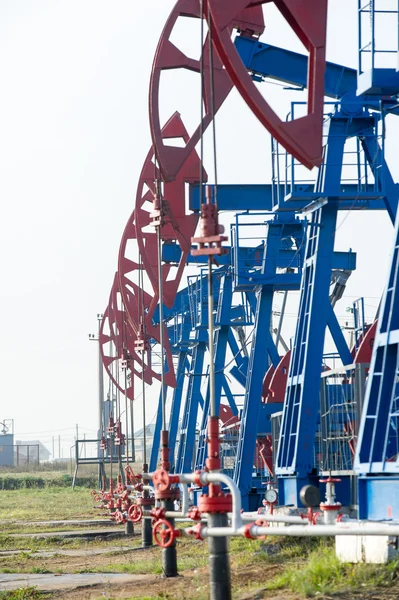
157,435
264,61
185,455
171,253
291,68
176,404
259,197
302,397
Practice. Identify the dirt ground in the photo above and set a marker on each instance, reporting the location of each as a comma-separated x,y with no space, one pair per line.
192,584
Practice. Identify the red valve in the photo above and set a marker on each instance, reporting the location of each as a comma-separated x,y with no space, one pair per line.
196,531
119,517
157,514
164,533
194,513
161,480
330,480
135,513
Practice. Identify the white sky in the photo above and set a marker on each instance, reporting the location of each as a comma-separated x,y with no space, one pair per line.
73,136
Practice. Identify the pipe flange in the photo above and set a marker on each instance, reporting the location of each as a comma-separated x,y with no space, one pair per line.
145,501
327,507
222,503
170,494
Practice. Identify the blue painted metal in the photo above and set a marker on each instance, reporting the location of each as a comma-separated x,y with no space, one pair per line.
176,404
185,455
378,497
222,326
375,43
157,435
263,353
377,451
261,197
297,436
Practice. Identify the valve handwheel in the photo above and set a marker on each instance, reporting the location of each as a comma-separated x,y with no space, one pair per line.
119,518
161,480
135,513
164,533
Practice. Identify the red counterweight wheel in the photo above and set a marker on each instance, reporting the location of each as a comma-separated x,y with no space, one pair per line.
135,513
164,533
301,137
117,340
168,57
140,239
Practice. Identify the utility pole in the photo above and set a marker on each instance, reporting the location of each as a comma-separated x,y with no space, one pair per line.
101,425
59,446
53,449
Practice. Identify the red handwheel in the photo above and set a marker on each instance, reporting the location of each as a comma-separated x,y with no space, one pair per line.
164,534
135,513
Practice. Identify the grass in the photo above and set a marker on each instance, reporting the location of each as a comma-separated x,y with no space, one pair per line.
26,593
55,503
187,560
321,572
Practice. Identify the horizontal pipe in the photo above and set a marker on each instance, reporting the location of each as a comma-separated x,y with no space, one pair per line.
289,519
306,531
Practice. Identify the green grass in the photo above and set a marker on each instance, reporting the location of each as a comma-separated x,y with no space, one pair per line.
321,572
26,593
188,559
45,504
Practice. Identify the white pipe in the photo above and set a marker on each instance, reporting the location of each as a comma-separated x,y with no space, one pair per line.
185,498
217,477
289,519
307,531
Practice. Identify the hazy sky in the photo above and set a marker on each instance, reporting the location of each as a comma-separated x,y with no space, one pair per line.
73,136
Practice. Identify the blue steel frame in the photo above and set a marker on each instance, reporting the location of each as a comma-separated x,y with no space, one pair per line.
377,451
301,407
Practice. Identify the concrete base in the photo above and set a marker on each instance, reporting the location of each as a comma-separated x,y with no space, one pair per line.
372,549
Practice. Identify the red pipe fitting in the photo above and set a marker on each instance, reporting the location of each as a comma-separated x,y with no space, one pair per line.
158,513
196,531
194,513
213,461
197,479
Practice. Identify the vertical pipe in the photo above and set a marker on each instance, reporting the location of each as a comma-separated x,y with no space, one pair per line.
101,427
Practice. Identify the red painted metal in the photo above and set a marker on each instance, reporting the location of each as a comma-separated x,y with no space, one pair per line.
167,57
162,480
209,241
365,349
275,382
135,513
117,340
164,533
264,447
179,226
216,501
301,137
